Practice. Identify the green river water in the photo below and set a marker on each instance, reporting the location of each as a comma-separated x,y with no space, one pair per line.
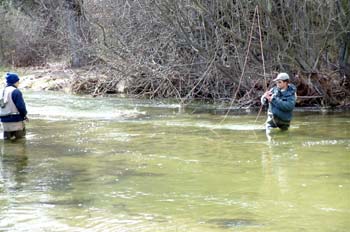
111,164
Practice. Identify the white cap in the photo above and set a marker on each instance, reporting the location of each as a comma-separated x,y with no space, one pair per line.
281,77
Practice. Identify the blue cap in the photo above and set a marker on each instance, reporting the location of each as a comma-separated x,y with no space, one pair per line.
11,78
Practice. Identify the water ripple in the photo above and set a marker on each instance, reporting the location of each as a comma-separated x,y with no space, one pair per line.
325,142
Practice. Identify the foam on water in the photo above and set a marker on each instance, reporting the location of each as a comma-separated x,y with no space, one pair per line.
58,113
213,126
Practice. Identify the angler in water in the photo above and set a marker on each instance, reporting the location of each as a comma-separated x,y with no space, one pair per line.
13,111
281,100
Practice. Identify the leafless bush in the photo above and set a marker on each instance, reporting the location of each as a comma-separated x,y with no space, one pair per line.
20,38
187,49
197,49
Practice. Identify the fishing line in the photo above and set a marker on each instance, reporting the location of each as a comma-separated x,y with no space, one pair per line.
244,65
256,15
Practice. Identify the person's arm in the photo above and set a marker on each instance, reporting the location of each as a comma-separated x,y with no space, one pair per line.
266,97
18,100
263,100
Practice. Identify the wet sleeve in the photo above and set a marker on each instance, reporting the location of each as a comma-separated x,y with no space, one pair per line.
18,100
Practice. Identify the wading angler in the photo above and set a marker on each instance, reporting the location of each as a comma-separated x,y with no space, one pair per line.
13,110
281,100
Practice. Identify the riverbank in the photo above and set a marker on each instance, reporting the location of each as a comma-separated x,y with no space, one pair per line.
89,81
53,77
59,77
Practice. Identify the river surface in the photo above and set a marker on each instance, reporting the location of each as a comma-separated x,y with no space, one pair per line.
111,164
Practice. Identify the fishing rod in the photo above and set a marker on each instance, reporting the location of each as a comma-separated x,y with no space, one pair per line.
256,15
263,63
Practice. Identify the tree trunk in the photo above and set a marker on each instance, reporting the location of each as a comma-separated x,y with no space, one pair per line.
74,19
2,55
344,51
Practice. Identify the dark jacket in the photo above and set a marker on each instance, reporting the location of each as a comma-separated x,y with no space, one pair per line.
18,100
283,102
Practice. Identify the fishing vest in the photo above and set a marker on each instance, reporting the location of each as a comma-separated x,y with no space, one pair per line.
7,106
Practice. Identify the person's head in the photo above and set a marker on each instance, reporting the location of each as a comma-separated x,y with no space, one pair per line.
12,79
282,80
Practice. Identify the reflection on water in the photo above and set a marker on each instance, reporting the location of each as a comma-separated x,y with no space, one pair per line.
131,165
13,162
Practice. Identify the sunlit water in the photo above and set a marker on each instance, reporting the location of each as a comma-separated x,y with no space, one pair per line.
109,164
